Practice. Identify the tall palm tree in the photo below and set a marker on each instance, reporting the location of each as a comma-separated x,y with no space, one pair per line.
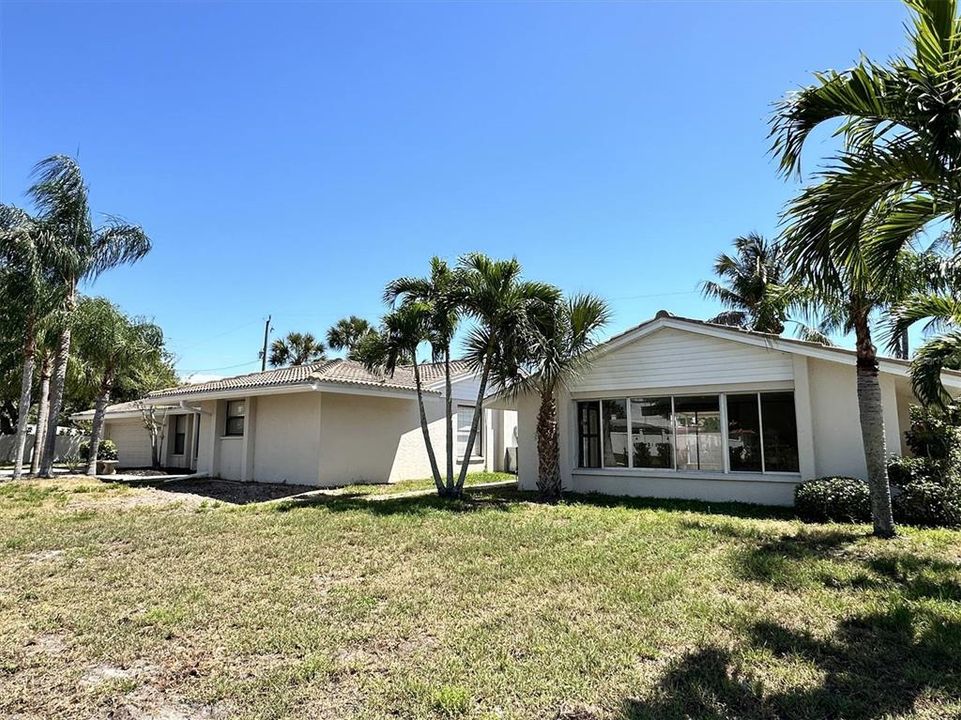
27,296
560,338
502,306
847,233
83,252
347,333
898,173
296,349
442,293
107,346
403,330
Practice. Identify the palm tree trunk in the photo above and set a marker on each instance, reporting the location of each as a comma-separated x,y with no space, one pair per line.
26,387
43,414
449,420
548,449
478,417
872,426
425,429
58,383
96,431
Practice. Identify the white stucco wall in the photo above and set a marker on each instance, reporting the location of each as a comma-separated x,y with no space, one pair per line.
838,448
287,438
231,458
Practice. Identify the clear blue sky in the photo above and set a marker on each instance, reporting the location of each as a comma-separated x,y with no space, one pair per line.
291,158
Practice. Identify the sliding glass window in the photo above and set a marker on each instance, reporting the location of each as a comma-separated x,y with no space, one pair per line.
779,425
614,432
589,432
652,432
744,433
697,422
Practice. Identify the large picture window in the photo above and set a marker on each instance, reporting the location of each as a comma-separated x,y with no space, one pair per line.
652,432
614,431
740,432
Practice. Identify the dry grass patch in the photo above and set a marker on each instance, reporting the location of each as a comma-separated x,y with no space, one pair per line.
140,603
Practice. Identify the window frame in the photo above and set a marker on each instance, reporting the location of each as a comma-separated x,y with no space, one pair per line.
229,417
722,402
180,437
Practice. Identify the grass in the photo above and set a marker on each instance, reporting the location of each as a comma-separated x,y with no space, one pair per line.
475,478
117,599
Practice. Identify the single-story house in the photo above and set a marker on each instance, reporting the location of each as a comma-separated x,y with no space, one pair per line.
682,408
327,424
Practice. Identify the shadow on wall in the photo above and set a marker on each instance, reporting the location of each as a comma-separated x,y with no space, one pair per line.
882,663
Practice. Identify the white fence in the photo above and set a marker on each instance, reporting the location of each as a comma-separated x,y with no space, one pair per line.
68,446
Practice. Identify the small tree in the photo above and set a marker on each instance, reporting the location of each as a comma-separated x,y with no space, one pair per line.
155,423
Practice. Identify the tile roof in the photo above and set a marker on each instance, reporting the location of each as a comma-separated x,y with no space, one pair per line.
125,407
341,371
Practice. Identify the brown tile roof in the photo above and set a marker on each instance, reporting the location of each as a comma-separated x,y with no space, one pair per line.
338,370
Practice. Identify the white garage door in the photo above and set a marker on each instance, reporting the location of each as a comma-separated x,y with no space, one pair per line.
133,442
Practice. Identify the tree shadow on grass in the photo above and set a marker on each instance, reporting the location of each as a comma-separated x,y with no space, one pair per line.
501,499
233,493
733,509
875,665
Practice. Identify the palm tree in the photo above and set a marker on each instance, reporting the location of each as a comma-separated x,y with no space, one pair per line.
109,345
404,329
442,293
752,286
502,306
347,333
82,253
296,349
848,232
28,296
898,173
560,339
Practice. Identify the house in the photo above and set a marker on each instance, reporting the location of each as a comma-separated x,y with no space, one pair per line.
330,423
681,408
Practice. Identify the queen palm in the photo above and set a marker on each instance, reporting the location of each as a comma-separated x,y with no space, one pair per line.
898,172
442,293
347,333
560,337
28,296
83,252
107,346
502,306
296,349
848,232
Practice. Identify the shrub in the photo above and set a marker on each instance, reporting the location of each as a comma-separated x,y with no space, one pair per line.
837,499
929,502
106,451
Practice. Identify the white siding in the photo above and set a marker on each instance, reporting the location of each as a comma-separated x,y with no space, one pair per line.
669,358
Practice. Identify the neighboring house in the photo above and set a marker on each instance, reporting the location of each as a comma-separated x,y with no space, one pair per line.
687,409
329,423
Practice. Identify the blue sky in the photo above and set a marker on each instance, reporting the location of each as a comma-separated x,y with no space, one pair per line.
291,158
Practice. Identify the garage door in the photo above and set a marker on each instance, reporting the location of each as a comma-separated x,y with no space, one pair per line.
133,442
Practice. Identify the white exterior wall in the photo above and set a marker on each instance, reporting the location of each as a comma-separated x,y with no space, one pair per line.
287,438
670,361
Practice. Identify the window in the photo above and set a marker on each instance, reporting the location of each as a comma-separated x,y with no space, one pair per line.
180,434
687,432
652,432
589,432
236,411
697,425
614,432
744,433
779,425
465,417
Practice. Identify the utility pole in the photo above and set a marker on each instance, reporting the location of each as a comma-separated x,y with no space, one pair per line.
263,357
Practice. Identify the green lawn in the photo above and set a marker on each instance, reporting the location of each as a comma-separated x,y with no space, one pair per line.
134,602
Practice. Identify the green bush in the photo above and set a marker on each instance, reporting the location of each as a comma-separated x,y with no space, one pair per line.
836,499
929,502
106,451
